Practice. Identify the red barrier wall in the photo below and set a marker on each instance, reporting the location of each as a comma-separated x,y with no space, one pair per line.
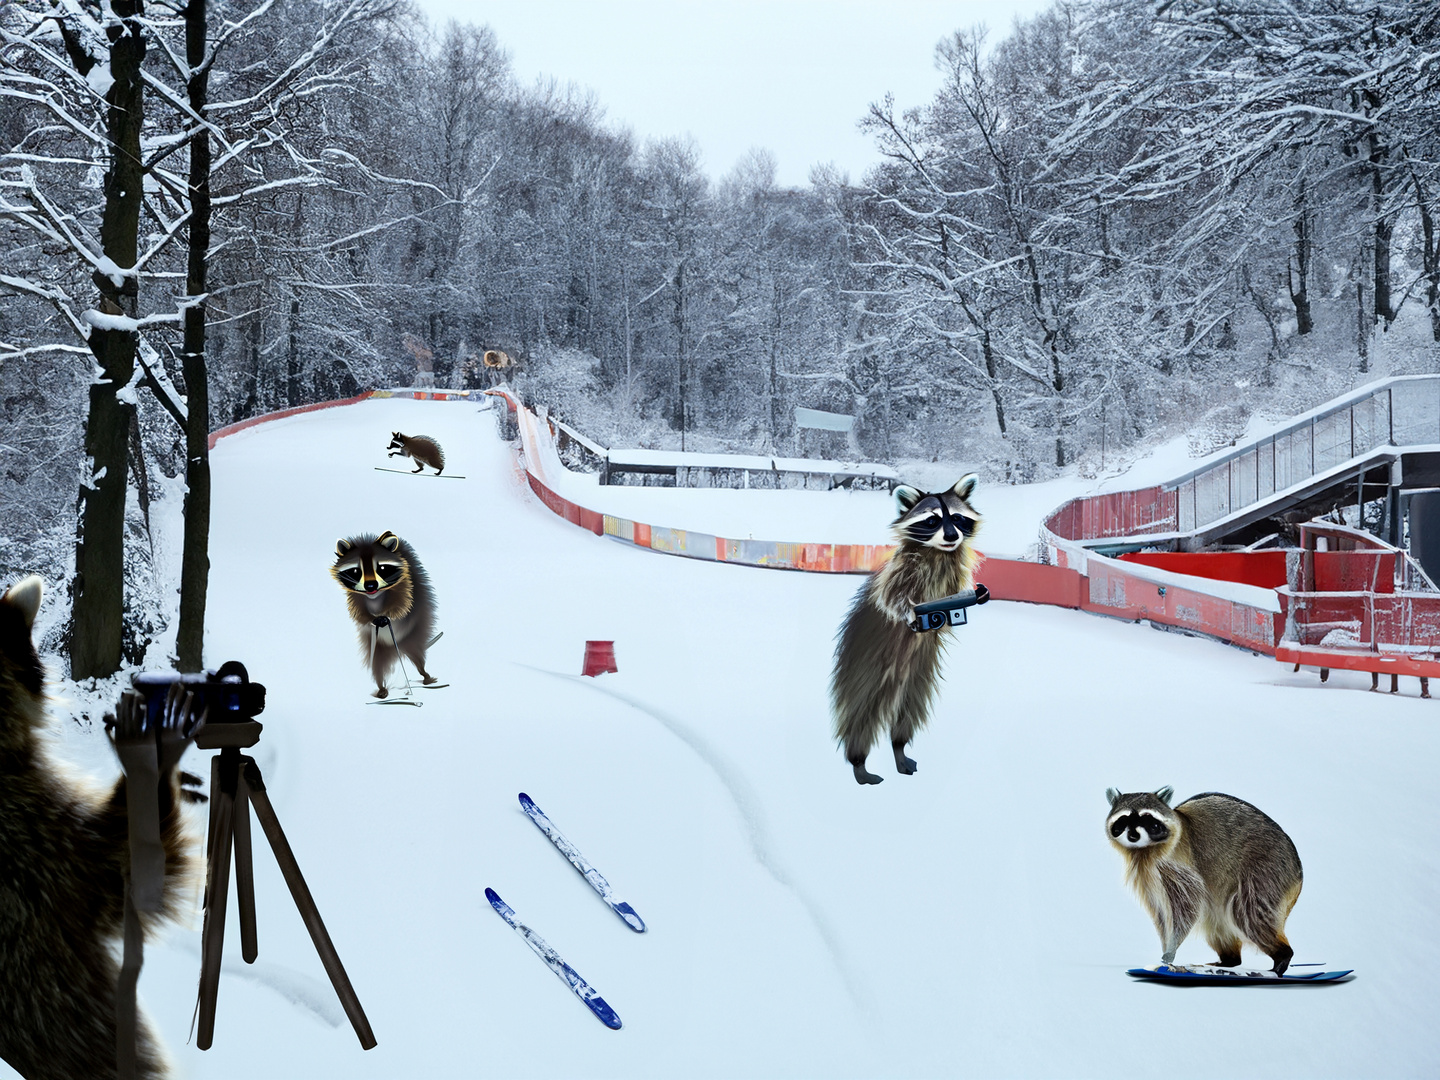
1112,591
1263,568
264,418
1120,513
1033,583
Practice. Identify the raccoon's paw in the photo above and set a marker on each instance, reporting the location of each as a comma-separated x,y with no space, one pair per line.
905,765
1281,956
431,680
864,777
381,693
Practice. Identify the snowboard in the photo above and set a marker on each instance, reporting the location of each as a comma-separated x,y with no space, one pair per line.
1211,975
412,472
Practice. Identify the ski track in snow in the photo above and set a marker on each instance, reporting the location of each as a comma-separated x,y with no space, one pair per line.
756,829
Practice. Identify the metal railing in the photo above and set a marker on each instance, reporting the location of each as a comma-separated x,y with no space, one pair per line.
1401,411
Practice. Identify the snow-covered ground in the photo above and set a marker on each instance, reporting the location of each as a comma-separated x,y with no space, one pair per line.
969,920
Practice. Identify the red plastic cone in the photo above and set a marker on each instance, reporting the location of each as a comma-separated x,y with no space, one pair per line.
599,657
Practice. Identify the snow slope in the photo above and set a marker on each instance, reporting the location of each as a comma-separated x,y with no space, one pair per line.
969,920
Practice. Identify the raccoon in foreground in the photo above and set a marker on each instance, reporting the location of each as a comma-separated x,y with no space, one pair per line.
390,599
1214,858
885,673
64,857
421,449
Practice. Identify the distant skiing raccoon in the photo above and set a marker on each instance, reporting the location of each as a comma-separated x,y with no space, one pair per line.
885,673
64,859
1214,859
390,600
421,449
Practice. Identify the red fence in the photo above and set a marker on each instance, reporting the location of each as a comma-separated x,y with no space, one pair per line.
1120,513
265,418
1265,569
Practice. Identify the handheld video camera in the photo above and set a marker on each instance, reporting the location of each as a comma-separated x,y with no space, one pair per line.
948,610
228,693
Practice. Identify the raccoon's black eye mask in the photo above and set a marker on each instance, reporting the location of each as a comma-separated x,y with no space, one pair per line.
389,574
931,504
1134,820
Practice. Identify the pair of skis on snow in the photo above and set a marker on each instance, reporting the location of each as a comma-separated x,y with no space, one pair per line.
583,990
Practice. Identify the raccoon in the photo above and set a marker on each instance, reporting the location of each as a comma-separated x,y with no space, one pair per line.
1215,859
421,449
64,857
390,599
885,673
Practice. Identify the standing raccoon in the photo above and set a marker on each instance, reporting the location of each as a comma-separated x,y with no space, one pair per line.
885,673
64,858
1215,859
390,599
420,449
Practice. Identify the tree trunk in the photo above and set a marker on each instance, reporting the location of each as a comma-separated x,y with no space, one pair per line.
1383,230
988,349
195,562
1299,270
680,342
292,360
1430,259
99,594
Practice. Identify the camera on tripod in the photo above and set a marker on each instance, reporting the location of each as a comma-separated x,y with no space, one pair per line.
948,610
227,693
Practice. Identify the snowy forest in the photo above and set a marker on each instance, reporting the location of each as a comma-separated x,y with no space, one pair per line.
1116,221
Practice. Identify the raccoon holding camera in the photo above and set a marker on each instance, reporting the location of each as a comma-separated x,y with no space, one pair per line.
886,673
1214,859
390,600
64,861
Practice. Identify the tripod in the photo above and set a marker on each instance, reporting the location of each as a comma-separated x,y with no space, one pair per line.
235,786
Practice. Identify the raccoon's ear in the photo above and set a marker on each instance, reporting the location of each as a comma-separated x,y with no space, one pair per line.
905,498
1165,793
965,485
1113,794
24,596
389,541
342,547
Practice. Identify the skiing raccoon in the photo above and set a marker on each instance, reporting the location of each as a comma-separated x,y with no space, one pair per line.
1214,858
885,673
64,857
421,449
390,599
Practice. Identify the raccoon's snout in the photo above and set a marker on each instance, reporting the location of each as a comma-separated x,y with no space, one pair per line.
372,586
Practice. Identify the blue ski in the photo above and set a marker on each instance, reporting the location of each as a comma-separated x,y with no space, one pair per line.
583,990
571,852
1210,974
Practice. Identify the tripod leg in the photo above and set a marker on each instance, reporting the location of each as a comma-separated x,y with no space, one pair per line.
245,875
305,903
217,893
126,1020
214,817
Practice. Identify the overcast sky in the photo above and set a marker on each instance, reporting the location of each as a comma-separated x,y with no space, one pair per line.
792,76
